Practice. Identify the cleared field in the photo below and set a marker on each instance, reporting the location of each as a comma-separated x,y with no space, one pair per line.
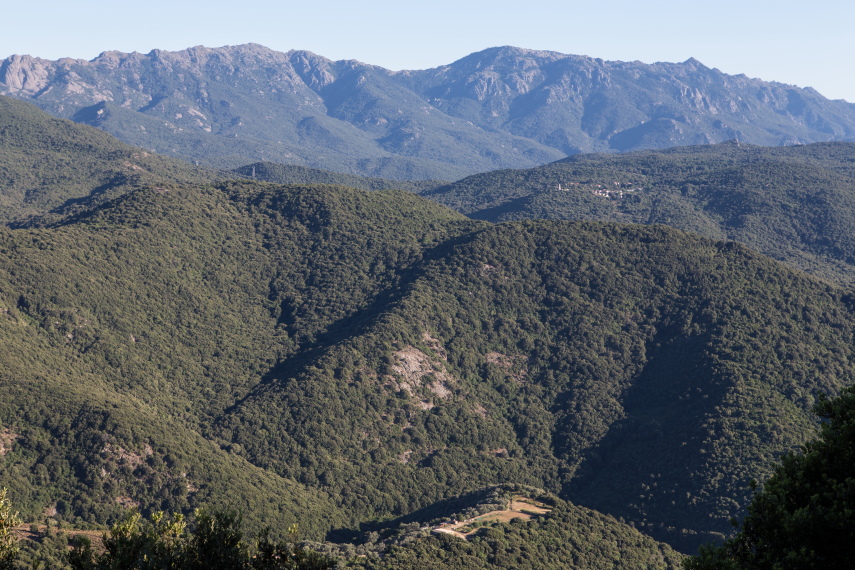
35,533
518,508
525,505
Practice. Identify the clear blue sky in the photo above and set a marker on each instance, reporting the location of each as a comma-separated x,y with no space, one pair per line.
805,43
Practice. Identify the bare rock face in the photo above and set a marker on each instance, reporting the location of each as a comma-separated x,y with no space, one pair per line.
315,71
499,108
23,75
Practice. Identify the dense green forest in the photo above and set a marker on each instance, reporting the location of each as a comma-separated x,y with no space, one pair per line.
352,361
792,203
802,515
401,354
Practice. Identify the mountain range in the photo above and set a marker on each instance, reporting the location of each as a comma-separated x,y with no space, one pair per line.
362,362
502,107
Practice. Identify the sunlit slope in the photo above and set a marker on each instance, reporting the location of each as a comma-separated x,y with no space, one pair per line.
128,328
49,164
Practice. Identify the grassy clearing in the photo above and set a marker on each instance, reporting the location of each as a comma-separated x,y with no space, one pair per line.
518,507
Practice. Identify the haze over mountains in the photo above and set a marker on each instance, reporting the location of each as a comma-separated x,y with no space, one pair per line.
500,108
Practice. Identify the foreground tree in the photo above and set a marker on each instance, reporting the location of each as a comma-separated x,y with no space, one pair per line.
286,555
804,516
8,541
214,541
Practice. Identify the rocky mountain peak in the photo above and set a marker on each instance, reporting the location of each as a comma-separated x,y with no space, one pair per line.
497,108
24,74
694,64
316,71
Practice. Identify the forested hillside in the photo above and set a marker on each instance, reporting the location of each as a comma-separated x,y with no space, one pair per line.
386,353
48,165
345,359
793,203
567,535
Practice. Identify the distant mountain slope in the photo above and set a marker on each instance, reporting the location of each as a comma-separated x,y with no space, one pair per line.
291,174
577,103
264,105
49,165
796,203
499,108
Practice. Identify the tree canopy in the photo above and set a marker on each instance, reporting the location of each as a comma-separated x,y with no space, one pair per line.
803,515
8,521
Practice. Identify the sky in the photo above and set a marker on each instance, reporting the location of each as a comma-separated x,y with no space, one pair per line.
804,43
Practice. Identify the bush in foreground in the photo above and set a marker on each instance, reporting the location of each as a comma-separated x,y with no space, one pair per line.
211,540
804,516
